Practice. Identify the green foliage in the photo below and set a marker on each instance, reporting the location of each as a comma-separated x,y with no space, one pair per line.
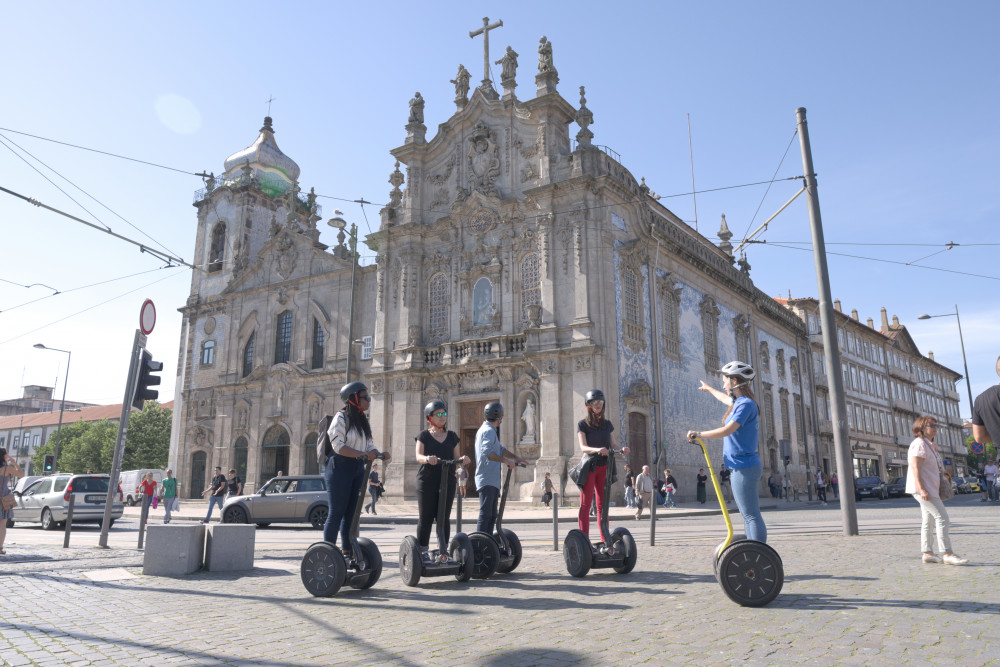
90,446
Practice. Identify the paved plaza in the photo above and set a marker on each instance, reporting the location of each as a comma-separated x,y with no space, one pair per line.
860,600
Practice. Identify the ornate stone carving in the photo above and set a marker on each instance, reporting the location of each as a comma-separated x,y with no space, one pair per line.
461,82
483,156
526,381
584,118
583,362
285,257
377,386
413,337
415,128
209,325
528,173
508,63
416,109
478,382
639,395
550,365
396,179
545,63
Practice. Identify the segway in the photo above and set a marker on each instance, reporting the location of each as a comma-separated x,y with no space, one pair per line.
750,572
501,551
581,555
460,560
325,568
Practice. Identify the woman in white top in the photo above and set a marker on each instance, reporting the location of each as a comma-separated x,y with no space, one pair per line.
923,481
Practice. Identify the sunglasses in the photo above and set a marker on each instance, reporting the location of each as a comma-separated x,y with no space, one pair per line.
364,398
440,413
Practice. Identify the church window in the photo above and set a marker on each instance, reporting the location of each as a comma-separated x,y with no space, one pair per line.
710,333
218,249
768,413
798,419
780,359
283,338
366,347
634,331
742,331
208,353
670,299
438,322
482,303
240,457
248,355
793,367
531,290
319,345
765,358
786,431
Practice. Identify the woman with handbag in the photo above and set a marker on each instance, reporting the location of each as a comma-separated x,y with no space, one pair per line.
8,469
927,481
596,436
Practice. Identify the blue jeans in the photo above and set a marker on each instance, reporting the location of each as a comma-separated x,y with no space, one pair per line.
212,500
744,482
344,479
488,497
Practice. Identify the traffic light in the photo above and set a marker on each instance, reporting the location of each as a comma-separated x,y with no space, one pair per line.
49,463
143,392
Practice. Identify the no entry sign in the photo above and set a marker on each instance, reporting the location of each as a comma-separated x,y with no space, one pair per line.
147,317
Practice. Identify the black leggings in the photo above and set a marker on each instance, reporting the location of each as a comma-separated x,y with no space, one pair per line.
427,508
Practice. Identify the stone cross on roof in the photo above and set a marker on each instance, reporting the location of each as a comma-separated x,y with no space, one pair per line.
485,32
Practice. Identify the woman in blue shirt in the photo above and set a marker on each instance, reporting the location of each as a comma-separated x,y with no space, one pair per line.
739,451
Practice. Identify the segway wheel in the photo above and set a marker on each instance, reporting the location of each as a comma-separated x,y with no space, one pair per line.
577,553
718,553
460,550
373,563
410,564
622,539
485,555
751,573
515,552
323,570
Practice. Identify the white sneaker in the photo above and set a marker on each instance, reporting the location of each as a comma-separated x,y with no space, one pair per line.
953,559
931,558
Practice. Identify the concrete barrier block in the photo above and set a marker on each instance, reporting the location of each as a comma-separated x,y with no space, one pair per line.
229,547
173,550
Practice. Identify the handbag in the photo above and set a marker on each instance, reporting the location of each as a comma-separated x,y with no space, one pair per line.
581,470
8,502
945,492
156,502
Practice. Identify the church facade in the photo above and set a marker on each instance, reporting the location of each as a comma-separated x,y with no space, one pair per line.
515,262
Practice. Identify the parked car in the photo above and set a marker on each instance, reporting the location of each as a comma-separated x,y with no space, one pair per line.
288,499
130,480
896,487
870,487
23,482
961,484
46,500
974,486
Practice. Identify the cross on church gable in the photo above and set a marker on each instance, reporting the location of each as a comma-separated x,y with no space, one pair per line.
485,32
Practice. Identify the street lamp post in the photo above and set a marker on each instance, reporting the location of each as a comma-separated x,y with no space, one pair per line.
339,222
62,404
961,341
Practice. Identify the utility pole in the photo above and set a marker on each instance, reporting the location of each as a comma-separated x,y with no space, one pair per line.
838,406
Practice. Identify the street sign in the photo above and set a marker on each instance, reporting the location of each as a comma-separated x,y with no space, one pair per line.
976,448
147,317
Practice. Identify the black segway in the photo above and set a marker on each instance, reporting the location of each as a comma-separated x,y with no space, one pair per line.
325,568
750,572
501,551
581,555
411,564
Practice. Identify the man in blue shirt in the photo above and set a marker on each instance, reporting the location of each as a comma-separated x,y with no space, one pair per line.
490,454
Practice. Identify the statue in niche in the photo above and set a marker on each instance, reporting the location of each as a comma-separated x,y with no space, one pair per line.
416,109
508,63
313,412
461,82
280,403
483,155
545,56
241,419
482,300
528,417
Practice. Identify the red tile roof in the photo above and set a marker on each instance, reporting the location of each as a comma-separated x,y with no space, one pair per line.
94,414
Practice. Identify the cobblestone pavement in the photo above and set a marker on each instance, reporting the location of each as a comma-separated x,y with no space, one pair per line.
861,600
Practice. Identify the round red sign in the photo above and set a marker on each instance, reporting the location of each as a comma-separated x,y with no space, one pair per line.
147,317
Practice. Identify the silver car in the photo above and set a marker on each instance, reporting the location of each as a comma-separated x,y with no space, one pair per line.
288,499
46,500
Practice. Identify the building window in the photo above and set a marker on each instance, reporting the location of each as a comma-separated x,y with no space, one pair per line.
710,332
283,338
670,305
765,358
634,331
780,360
366,347
248,355
742,330
793,368
217,253
768,414
240,452
438,317
531,287
208,353
799,426
786,431
319,344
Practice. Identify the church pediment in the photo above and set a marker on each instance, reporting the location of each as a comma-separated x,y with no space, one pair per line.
286,256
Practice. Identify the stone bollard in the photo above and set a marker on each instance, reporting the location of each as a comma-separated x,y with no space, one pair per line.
173,550
229,547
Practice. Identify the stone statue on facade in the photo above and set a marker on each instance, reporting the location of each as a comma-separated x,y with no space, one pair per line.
461,82
528,417
416,109
508,63
545,63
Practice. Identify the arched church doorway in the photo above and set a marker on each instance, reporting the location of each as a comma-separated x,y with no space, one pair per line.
310,465
198,462
274,453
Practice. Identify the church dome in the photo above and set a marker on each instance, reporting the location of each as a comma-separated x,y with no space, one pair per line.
266,159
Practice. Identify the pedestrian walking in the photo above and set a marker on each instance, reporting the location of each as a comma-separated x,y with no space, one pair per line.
702,478
596,436
373,492
739,451
670,487
217,492
770,485
168,494
833,485
148,489
821,480
727,491
433,444
547,489
490,455
643,491
629,487
779,484
351,442
924,476
462,477
235,485
8,470
990,474
786,490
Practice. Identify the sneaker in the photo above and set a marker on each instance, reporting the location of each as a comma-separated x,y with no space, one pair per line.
953,559
931,558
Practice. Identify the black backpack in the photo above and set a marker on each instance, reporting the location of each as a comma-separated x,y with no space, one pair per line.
324,450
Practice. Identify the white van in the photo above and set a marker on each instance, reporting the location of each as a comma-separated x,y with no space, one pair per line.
130,480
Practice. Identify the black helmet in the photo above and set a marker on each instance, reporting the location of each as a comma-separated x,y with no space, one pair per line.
493,411
350,390
433,407
594,395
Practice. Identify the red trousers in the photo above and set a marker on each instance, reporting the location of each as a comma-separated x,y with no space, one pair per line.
593,487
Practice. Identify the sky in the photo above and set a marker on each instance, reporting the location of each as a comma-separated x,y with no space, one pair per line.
899,98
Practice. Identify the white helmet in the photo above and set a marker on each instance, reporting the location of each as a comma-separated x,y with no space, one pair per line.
739,369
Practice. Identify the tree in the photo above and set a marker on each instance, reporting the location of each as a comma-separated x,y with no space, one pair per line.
977,461
147,443
83,446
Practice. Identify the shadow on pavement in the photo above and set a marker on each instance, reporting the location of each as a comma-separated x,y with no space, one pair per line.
536,657
830,602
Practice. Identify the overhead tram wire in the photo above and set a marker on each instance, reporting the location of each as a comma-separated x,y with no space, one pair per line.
76,289
781,162
115,213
